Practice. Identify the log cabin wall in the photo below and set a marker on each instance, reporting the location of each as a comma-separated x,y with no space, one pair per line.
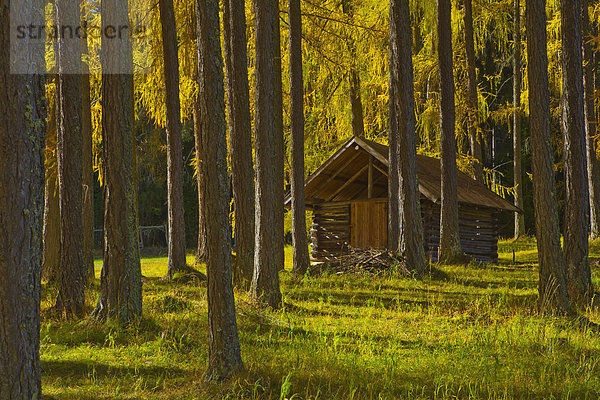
330,233
334,231
478,231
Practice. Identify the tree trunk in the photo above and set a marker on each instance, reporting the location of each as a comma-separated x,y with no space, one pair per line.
51,230
517,130
72,270
201,249
579,276
477,166
393,170
358,124
593,171
224,357
240,139
121,277
299,235
410,242
279,146
267,258
176,244
553,295
88,172
449,250
22,129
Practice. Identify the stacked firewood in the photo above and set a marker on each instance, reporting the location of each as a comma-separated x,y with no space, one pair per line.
363,261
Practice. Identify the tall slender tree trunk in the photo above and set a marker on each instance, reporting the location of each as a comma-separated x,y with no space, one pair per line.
121,278
579,276
240,139
72,270
51,230
449,250
224,357
299,235
177,260
553,294
88,169
477,166
267,258
22,129
401,71
517,130
279,146
358,124
593,171
394,169
201,249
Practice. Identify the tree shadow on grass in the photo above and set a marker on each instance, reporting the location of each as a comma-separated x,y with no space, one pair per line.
80,372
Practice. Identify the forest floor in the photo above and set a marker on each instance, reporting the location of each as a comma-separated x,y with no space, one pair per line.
464,332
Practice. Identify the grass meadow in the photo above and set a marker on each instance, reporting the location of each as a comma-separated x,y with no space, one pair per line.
464,332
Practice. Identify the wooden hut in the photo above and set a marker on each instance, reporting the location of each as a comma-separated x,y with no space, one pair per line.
348,197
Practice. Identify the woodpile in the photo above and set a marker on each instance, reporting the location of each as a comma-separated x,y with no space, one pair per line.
362,261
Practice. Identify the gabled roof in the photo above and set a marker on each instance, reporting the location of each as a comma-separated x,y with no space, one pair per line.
343,177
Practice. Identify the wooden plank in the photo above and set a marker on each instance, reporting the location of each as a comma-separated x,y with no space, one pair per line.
345,185
333,176
370,178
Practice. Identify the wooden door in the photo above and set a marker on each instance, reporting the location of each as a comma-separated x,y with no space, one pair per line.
368,224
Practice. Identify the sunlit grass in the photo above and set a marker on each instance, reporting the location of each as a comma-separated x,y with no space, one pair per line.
464,332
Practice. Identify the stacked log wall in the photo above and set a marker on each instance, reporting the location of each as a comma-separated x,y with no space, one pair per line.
478,231
330,233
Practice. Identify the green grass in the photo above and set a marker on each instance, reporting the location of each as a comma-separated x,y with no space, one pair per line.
467,332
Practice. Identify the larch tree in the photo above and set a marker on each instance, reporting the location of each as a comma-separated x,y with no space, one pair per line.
224,357
72,272
593,170
197,115
268,133
576,247
240,139
553,294
87,169
121,277
477,166
517,114
51,229
450,249
174,146
22,130
299,236
411,244
358,123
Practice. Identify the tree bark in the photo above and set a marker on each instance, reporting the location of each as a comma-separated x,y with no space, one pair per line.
72,270
201,249
22,130
88,169
517,117
176,235
410,244
121,278
449,250
477,166
393,170
576,247
51,230
267,255
224,357
593,171
553,294
240,139
299,235
279,146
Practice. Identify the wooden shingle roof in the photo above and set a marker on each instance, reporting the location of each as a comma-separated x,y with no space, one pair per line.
343,177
